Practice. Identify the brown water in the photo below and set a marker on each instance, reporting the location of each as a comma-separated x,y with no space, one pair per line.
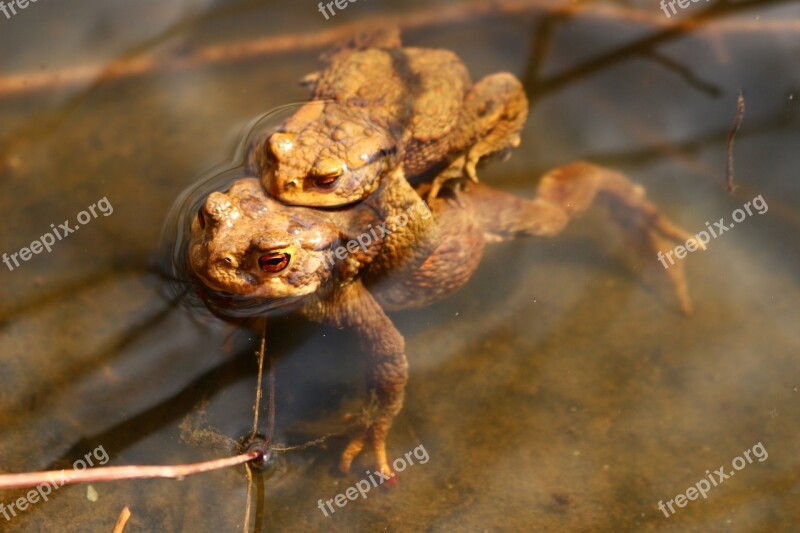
560,390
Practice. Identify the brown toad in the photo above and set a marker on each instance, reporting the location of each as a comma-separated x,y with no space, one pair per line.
254,255
375,99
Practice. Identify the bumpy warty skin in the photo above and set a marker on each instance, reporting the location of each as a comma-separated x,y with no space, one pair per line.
377,104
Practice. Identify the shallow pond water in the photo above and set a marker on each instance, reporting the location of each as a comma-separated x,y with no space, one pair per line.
560,390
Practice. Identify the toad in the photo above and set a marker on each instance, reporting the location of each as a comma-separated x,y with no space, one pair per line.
255,255
375,98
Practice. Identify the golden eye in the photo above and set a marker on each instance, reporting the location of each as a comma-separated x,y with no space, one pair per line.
274,262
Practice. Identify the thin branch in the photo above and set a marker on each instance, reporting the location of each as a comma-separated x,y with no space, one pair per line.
542,44
271,406
120,473
122,521
737,122
126,67
692,79
257,406
247,511
257,409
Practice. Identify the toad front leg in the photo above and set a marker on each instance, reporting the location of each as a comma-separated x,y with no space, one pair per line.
412,233
352,306
565,193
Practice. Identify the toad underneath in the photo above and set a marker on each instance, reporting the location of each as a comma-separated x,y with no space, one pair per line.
255,255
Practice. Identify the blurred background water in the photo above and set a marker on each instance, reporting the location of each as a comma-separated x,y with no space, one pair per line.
560,390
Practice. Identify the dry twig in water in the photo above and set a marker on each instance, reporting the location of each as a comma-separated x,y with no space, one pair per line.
731,139
122,521
119,473
141,64
270,420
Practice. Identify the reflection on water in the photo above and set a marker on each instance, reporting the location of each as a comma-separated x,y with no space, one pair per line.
559,390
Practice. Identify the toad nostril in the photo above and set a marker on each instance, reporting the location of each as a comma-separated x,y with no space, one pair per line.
230,261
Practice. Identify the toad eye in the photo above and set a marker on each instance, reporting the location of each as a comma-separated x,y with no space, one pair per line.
326,182
274,262
201,218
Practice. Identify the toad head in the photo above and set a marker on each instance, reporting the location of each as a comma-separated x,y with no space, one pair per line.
253,254
327,155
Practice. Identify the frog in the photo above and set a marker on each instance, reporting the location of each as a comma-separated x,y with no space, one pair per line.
253,255
376,98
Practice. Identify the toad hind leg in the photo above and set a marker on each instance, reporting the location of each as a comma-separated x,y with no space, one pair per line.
495,112
565,193
499,107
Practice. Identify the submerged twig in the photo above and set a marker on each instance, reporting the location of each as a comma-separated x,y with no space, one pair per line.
737,122
686,73
270,419
257,406
542,44
246,526
120,473
122,521
640,47
314,442
271,399
139,65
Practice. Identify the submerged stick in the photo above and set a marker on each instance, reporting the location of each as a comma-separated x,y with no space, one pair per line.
257,406
271,398
127,67
270,421
122,521
737,122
